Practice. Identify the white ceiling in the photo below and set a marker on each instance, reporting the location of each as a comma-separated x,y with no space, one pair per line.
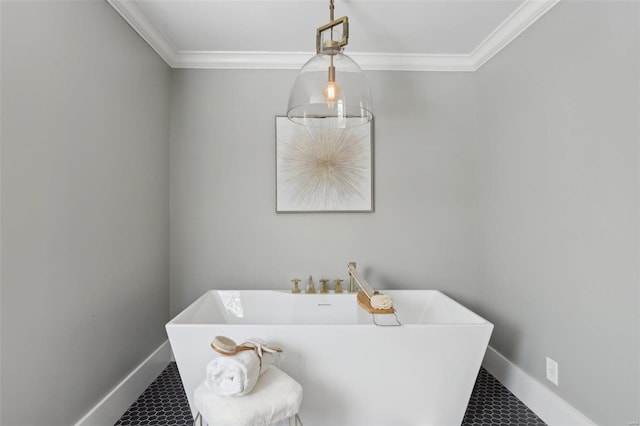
452,35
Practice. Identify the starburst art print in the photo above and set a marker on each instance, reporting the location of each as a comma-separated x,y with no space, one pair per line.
323,169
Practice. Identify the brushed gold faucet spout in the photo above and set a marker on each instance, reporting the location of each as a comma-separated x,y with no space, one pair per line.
352,280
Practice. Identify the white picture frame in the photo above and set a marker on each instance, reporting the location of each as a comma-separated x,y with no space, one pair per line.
323,169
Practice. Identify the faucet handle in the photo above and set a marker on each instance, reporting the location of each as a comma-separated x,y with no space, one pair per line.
324,288
295,282
338,285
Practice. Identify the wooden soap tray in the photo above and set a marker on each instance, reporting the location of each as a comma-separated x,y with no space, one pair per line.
365,303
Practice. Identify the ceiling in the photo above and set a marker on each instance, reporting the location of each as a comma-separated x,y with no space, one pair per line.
421,35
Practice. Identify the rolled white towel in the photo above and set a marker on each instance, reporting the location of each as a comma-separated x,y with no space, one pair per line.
237,375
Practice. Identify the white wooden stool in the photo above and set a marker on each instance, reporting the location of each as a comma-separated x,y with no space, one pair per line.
276,397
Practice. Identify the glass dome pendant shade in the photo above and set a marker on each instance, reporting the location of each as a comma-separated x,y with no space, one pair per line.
330,90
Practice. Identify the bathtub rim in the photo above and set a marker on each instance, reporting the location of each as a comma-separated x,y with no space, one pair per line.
176,321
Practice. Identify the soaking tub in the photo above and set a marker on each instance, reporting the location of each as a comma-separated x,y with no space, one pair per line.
353,371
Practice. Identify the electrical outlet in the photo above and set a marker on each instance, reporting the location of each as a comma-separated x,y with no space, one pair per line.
552,371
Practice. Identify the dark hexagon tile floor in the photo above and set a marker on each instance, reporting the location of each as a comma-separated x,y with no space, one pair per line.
164,403
492,404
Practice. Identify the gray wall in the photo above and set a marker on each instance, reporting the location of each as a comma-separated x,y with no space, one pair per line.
224,229
85,111
557,191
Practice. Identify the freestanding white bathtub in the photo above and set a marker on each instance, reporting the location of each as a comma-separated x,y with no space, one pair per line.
352,371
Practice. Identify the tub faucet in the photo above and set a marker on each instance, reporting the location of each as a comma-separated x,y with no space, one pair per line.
356,278
310,287
352,281
324,288
295,282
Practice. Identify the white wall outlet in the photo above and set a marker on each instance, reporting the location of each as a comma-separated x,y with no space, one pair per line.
552,371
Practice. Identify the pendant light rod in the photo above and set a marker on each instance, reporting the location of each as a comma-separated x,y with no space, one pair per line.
344,21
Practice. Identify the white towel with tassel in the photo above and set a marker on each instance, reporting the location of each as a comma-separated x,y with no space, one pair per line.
236,375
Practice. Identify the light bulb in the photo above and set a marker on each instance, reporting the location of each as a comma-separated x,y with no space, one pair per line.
331,91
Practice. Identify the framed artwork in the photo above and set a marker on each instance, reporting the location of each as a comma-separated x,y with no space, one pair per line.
323,169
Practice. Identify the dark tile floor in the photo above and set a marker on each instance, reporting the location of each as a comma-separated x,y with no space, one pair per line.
164,403
493,404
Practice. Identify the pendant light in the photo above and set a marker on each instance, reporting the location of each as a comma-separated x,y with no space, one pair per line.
330,90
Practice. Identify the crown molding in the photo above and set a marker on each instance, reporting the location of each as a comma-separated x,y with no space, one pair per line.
241,60
295,60
412,62
521,19
529,12
143,26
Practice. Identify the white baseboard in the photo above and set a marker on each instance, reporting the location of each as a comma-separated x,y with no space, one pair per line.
552,409
116,402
